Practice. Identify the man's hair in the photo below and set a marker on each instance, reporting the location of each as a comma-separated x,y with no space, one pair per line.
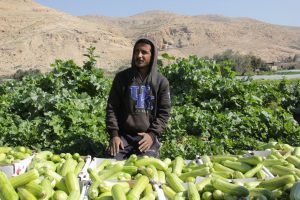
145,41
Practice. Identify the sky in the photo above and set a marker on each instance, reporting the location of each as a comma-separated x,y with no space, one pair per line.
281,12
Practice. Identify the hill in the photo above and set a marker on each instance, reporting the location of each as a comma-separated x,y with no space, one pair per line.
33,36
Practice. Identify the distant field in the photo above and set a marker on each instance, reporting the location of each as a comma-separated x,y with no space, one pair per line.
273,76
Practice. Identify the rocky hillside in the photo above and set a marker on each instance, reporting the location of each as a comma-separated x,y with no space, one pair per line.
33,36
209,34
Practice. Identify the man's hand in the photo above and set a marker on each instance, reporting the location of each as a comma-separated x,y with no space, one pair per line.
115,144
146,142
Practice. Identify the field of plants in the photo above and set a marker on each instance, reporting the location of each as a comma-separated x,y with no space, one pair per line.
212,111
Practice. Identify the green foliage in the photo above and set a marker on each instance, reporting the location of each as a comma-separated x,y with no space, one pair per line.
241,63
63,110
212,111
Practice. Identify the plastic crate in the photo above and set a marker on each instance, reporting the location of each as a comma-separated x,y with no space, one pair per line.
16,168
84,190
258,153
82,174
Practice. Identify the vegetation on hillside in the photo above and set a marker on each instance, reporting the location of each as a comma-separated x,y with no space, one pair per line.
242,64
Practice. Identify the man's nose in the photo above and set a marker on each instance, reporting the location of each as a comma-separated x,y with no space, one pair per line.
140,54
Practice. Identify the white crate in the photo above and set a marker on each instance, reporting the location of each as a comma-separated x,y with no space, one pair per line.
258,153
97,161
83,173
84,190
16,168
160,192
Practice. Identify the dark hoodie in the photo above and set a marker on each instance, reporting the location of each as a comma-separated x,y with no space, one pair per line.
135,105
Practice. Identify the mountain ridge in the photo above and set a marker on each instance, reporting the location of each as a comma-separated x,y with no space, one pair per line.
32,36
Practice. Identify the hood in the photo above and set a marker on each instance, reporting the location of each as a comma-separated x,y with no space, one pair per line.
152,76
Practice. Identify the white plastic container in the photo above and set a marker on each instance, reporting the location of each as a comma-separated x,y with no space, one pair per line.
83,172
16,168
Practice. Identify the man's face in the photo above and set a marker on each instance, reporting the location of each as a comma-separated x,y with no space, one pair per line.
142,55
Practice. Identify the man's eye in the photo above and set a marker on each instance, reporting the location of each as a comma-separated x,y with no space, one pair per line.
145,52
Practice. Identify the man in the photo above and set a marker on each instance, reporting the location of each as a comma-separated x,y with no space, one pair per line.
138,106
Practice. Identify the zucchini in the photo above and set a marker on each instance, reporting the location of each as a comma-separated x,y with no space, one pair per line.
178,165
240,166
261,174
56,158
25,194
206,159
154,176
76,156
138,187
233,189
174,182
59,180
221,158
251,185
25,178
253,171
7,192
296,151
261,191
93,191
226,174
294,160
74,195
118,192
169,192
106,186
220,167
67,166
179,196
167,161
200,186
271,162
79,167
158,164
93,175
199,172
5,149
132,170
149,197
207,196
161,177
46,184
107,173
6,189
59,195
283,170
102,165
148,190
277,182
251,160
37,190
192,191
72,182
218,195
238,175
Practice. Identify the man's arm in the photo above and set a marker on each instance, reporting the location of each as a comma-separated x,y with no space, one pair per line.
112,110
163,109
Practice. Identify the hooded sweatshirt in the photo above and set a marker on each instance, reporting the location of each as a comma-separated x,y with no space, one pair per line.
138,105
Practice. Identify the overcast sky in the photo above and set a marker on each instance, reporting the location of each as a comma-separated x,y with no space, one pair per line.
282,12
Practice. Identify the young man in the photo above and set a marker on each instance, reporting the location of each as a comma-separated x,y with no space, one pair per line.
138,106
